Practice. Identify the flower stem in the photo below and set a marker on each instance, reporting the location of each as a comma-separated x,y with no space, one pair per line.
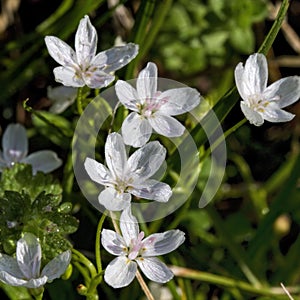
79,257
266,45
79,101
223,137
97,244
224,281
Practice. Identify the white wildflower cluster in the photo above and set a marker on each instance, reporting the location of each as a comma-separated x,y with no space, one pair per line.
124,177
127,178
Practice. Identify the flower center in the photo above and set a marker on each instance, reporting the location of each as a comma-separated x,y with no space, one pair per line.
258,103
152,104
136,245
14,155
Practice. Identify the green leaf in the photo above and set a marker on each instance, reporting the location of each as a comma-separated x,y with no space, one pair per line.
19,178
56,128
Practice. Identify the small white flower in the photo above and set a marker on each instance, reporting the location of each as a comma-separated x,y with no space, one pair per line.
15,149
134,250
125,176
24,270
153,109
62,97
259,101
84,67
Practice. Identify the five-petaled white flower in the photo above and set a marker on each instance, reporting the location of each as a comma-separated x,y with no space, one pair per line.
24,270
259,101
15,149
125,176
153,109
133,250
84,67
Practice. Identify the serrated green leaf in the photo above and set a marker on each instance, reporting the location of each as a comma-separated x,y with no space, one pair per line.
65,224
19,178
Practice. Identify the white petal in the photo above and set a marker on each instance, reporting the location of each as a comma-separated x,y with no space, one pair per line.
96,79
120,272
36,282
29,256
62,98
115,58
45,161
127,95
14,143
11,280
154,269
113,242
115,154
166,126
14,281
68,77
129,226
178,101
162,243
256,73
9,265
57,266
152,190
97,172
60,51
274,114
145,161
287,89
253,116
85,42
146,84
136,130
113,200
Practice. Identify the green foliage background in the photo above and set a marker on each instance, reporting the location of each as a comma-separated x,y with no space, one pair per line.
243,244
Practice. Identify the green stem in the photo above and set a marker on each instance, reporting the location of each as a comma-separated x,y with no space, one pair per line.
224,281
157,22
223,137
269,40
83,271
79,101
144,16
79,257
97,243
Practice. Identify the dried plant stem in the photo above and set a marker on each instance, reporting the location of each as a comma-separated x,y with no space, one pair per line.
144,285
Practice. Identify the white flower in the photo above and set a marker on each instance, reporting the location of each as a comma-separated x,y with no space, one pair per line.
62,97
133,250
15,149
84,67
124,176
259,101
153,109
24,270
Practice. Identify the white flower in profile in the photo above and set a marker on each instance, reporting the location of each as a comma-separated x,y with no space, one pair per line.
134,250
62,97
124,176
15,149
153,109
24,270
84,67
259,101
